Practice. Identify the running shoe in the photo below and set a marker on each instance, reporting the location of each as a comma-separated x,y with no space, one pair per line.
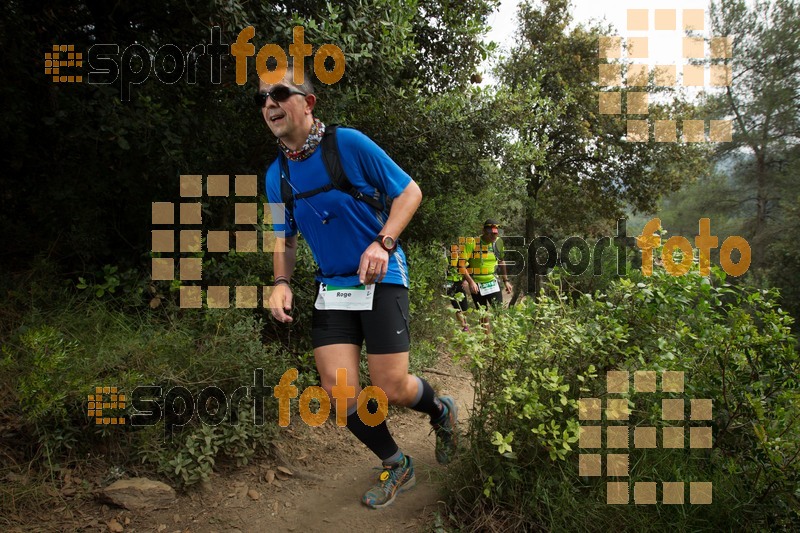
391,482
446,431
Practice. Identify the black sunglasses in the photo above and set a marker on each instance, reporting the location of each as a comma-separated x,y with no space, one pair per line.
281,93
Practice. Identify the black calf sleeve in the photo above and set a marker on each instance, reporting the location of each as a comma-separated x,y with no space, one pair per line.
377,438
427,401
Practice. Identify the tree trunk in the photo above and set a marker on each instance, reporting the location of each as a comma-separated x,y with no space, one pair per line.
527,281
532,280
761,205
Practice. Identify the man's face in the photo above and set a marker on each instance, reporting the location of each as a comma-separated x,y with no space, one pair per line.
288,120
490,233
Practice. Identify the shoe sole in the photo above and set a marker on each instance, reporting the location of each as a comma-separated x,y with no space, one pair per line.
410,484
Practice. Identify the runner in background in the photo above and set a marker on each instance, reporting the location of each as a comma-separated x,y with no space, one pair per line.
485,254
455,287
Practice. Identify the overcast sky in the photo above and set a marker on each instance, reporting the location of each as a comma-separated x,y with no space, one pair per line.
664,46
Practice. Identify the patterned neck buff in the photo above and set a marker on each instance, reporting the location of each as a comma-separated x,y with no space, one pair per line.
314,138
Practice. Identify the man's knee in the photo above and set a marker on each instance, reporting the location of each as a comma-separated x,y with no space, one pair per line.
396,390
348,390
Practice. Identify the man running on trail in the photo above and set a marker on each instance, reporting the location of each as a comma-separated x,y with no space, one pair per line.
355,247
485,254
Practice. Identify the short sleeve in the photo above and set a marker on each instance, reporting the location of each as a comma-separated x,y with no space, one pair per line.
501,251
361,156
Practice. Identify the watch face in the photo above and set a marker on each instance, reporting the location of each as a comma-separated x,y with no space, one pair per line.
388,242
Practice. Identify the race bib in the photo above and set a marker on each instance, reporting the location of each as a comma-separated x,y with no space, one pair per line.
490,287
357,298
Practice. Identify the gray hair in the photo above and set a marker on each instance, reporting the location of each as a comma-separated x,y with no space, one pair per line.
307,86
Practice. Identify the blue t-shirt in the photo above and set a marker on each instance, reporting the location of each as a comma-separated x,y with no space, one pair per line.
352,224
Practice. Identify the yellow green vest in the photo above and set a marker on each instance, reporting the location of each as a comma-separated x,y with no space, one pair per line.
482,258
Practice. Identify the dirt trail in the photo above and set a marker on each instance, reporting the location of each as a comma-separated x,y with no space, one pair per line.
333,469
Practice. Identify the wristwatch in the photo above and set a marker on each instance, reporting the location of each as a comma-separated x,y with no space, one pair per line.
387,243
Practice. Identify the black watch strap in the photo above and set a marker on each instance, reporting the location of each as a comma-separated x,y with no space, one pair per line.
382,238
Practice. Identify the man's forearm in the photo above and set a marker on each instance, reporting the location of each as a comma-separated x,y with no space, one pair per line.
283,262
467,277
403,208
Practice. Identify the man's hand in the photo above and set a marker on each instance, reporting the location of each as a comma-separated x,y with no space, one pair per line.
374,264
471,286
280,302
508,286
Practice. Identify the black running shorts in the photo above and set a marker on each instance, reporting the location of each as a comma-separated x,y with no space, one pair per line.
385,327
461,303
494,299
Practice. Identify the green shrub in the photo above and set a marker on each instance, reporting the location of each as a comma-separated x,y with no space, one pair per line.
427,306
52,367
734,346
